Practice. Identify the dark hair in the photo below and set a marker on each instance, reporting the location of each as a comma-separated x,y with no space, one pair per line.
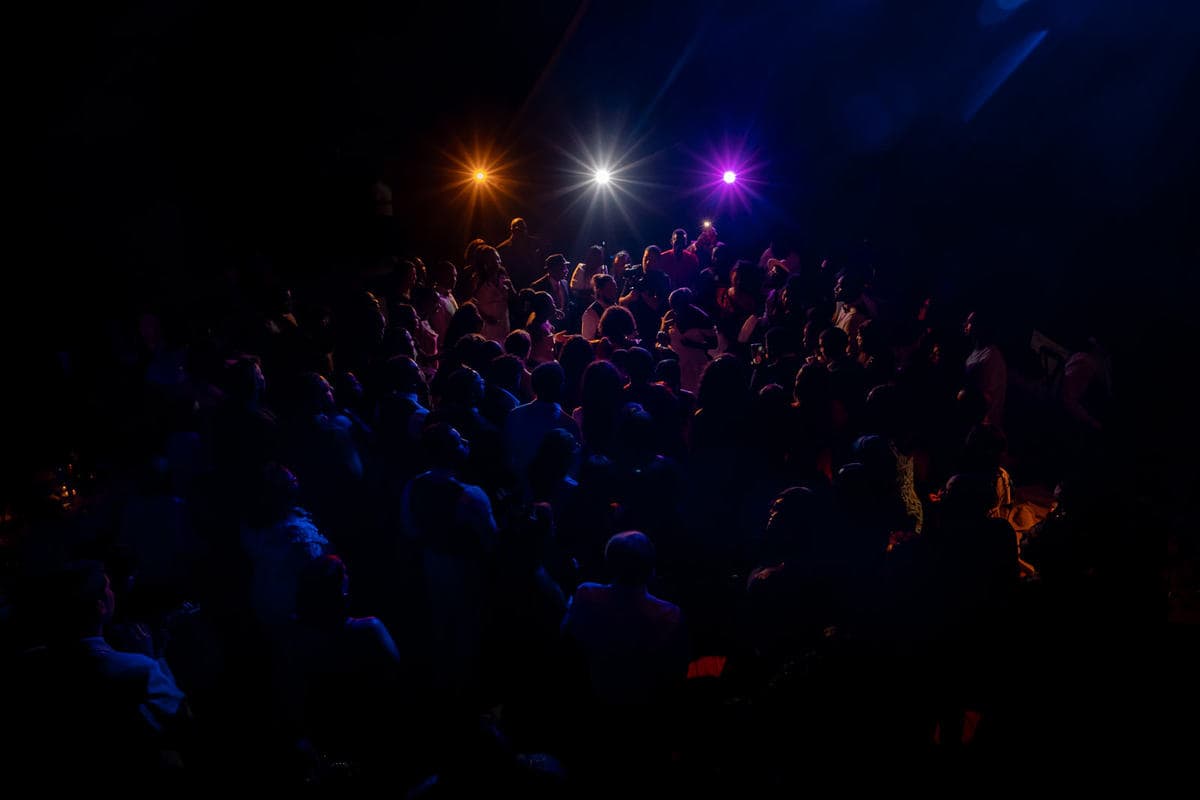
668,372
833,341
640,365
538,307
602,279
724,384
278,493
551,463
505,371
630,558
464,388
984,449
600,397
466,320
519,343
577,353
680,299
240,379
425,300
68,599
440,445
548,380
401,374
874,339
617,324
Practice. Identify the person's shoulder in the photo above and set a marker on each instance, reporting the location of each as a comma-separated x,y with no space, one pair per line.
664,610
589,592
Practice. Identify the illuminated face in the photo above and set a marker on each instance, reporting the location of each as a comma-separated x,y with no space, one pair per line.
649,259
558,270
620,262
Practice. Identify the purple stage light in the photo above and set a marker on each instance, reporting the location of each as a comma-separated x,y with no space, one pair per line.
730,176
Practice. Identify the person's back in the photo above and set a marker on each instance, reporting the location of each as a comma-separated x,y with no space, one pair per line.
527,425
79,710
635,644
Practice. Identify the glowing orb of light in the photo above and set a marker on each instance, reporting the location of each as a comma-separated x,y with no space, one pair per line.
602,176
707,224
480,176
730,176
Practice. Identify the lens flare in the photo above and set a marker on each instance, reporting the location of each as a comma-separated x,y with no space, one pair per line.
602,176
730,176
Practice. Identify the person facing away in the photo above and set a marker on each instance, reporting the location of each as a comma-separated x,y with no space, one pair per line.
521,253
604,290
76,709
527,425
635,644
450,523
339,674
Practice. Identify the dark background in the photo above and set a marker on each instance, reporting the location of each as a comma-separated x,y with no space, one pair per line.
180,137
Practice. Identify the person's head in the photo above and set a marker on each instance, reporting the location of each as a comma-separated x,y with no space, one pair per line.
629,557
617,325
604,287
464,389
594,259
639,366
667,373
848,288
620,262
323,591
548,380
650,257
425,302
518,343
444,447
832,344
539,309
552,462
405,316
75,601
707,236
444,275
979,328
465,321
601,387
278,493
885,411
406,276
878,458
518,228
469,253
812,385
724,384
557,266
794,522
402,374
680,299
747,278
577,353
487,262
505,372
314,394
679,239
871,339
244,380
968,497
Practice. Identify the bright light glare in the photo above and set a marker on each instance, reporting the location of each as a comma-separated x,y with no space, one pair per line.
602,176
707,224
730,176
481,176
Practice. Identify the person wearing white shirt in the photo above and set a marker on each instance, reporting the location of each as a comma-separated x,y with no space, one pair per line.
604,289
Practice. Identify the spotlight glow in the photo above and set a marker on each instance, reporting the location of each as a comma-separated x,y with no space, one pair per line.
707,223
730,176
480,176
602,176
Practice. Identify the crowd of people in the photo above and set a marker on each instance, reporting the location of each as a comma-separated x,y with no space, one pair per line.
691,521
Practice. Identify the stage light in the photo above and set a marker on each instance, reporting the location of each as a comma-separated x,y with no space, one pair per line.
480,176
707,223
730,176
602,176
